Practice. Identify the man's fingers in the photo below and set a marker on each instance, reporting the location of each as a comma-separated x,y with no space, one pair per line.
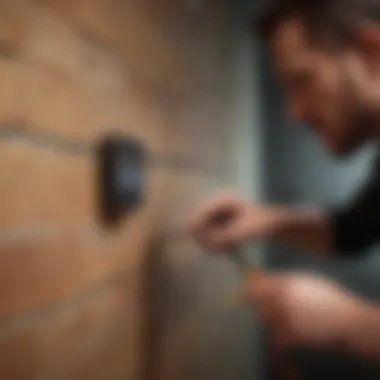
275,319
283,336
263,292
205,214
219,240
265,288
228,235
258,291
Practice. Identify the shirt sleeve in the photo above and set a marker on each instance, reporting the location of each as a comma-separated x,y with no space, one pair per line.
356,227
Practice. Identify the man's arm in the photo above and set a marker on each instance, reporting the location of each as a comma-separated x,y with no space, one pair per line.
228,220
346,231
307,311
306,230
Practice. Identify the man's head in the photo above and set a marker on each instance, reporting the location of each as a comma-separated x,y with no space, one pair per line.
327,55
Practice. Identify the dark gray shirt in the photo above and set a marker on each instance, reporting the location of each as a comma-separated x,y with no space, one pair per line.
356,227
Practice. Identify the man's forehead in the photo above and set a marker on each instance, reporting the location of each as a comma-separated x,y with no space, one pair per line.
290,43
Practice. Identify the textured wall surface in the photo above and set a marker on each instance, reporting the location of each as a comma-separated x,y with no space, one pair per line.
74,298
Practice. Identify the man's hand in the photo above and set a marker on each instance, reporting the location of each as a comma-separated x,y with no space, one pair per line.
228,220
306,311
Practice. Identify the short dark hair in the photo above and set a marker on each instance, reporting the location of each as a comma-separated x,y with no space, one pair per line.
334,20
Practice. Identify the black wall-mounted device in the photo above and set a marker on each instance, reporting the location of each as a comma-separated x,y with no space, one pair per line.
120,164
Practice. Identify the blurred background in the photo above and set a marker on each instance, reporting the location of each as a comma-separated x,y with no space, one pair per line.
141,301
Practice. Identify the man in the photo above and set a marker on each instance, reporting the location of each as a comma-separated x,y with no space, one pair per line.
327,56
